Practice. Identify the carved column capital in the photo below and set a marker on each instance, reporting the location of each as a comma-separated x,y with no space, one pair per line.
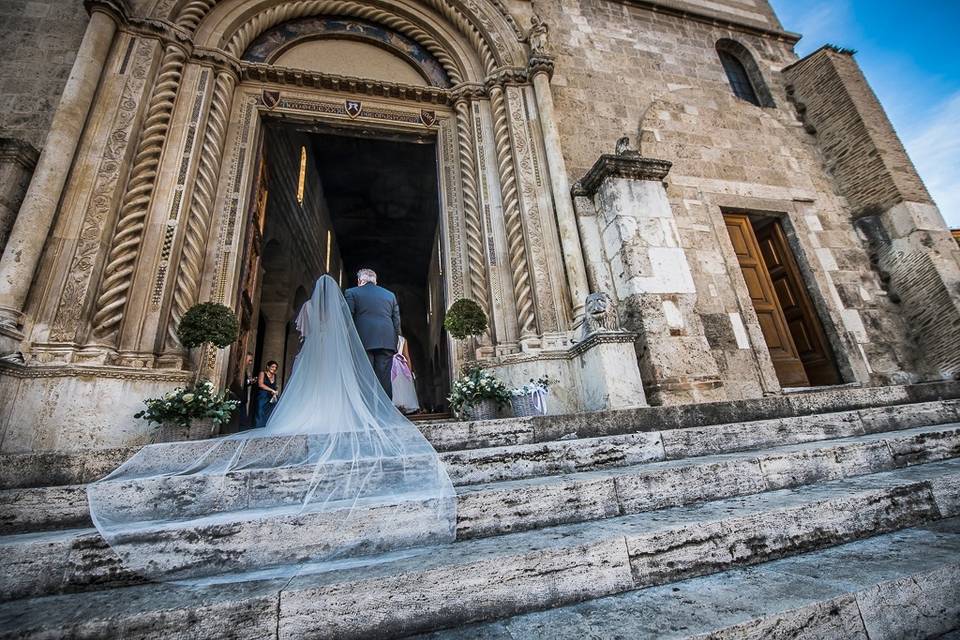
163,31
540,63
217,59
467,92
503,76
630,165
116,9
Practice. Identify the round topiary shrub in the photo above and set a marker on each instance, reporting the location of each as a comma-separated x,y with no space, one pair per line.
208,322
465,318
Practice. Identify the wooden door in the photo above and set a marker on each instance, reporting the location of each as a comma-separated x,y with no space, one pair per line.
248,300
802,321
773,324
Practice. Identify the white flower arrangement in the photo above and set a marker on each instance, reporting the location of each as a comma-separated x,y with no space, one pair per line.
540,385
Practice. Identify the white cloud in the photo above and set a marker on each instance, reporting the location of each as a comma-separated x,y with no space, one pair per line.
934,147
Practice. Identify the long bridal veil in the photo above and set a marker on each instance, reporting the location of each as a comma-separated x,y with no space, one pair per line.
338,474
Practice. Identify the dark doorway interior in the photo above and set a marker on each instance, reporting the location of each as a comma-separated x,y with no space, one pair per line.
335,201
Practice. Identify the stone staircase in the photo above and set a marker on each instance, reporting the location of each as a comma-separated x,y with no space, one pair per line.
635,523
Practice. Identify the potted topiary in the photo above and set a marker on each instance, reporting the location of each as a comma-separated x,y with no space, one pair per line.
207,322
188,413
477,394
464,319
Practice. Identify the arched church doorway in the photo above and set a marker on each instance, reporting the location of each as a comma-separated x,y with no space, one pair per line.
333,199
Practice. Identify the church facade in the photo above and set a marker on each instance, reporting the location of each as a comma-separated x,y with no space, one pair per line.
654,202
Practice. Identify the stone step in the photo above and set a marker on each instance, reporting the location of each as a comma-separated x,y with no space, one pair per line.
74,560
904,584
65,506
878,409
485,579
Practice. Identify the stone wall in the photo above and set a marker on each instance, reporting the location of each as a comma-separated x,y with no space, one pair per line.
38,43
860,146
626,70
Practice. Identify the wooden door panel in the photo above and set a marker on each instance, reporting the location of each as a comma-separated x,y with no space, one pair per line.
773,324
802,321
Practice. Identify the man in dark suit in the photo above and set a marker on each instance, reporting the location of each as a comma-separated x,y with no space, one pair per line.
377,318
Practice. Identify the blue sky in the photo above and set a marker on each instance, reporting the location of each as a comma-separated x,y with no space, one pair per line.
912,61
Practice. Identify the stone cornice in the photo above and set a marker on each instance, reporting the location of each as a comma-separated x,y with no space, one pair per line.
100,371
295,77
658,6
602,337
630,165
19,152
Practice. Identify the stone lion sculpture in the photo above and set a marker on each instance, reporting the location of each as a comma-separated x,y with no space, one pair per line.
599,315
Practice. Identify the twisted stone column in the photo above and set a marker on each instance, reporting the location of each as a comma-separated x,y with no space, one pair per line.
33,223
128,236
200,214
476,256
516,244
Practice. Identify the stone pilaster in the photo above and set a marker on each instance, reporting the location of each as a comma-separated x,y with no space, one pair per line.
652,278
29,233
566,218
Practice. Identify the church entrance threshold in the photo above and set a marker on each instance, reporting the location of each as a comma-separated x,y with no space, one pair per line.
332,200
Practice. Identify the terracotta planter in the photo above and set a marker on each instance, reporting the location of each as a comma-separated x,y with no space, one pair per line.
198,430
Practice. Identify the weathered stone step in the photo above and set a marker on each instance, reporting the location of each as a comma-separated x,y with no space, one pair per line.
878,409
466,581
489,510
44,508
904,584
457,584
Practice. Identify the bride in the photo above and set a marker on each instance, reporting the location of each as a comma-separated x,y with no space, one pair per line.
337,475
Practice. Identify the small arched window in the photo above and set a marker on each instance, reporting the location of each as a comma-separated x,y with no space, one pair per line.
738,77
743,73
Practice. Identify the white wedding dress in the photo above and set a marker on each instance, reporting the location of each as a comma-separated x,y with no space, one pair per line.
337,476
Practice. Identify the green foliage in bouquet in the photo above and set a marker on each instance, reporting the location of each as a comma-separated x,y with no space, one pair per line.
186,404
208,322
475,385
465,318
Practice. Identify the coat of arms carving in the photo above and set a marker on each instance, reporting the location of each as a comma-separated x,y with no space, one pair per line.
353,108
271,98
428,118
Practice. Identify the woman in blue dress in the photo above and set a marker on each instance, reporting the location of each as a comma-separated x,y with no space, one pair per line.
266,393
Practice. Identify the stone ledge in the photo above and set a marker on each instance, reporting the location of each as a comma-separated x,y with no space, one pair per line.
630,165
18,151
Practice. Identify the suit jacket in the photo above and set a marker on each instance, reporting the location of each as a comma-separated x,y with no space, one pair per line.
376,315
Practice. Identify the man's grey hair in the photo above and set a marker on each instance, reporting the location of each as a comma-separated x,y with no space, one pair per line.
367,275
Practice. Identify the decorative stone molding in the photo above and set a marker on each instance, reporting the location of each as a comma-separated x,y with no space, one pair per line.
602,337
346,84
630,165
